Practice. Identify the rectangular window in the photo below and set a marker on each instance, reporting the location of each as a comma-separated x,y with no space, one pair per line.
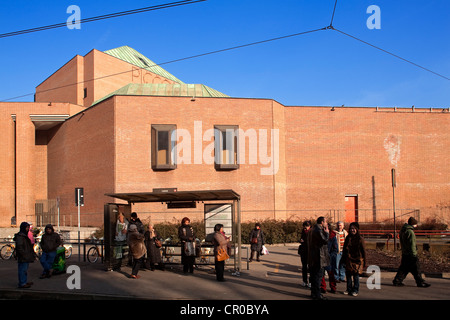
226,147
163,146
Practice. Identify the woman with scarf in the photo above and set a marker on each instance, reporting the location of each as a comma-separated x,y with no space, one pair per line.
354,258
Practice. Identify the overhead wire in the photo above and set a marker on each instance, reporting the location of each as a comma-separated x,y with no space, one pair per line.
390,53
173,61
102,17
330,27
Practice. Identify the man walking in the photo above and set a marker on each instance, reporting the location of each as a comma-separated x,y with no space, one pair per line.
318,256
410,261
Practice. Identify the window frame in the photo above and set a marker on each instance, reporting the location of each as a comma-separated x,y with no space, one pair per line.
170,163
219,130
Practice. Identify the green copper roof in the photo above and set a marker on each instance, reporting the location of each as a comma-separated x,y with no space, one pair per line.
165,89
130,55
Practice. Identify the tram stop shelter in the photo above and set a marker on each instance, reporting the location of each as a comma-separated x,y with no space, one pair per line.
174,199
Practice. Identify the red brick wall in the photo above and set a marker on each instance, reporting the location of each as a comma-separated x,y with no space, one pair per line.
7,201
81,154
98,73
334,153
63,85
23,159
134,117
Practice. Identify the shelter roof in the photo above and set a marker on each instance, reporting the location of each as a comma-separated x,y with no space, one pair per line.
174,196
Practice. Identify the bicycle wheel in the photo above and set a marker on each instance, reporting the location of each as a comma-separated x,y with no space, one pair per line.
6,251
68,252
92,255
37,249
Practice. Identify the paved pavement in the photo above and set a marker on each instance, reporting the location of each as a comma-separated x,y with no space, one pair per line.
276,278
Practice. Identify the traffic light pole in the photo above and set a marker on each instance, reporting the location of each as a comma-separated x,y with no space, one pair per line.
79,223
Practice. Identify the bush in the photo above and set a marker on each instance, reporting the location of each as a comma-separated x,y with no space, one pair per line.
168,229
275,231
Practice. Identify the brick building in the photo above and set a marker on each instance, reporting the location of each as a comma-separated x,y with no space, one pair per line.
113,122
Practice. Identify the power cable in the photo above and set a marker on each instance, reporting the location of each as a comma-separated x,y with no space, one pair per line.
102,17
332,16
388,52
172,61
238,47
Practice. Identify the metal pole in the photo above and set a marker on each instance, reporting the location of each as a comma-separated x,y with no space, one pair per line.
78,204
239,233
57,205
393,202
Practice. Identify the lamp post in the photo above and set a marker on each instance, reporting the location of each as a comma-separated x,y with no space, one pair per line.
394,185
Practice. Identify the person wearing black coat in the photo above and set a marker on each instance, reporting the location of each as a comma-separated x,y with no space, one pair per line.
257,241
50,241
318,256
186,235
303,252
25,254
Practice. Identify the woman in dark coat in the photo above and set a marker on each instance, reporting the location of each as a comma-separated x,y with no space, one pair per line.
354,258
257,241
186,235
303,252
153,252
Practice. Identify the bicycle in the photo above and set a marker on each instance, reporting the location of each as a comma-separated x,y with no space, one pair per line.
94,252
7,251
67,247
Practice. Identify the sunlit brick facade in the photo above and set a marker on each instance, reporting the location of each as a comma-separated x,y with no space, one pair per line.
95,131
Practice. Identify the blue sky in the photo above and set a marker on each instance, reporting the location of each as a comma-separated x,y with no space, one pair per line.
324,68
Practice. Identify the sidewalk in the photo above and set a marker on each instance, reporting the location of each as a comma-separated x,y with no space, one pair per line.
276,277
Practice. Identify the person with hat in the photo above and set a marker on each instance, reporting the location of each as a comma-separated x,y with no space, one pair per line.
137,249
25,254
410,261
257,241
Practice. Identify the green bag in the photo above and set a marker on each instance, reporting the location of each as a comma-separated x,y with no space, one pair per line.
59,265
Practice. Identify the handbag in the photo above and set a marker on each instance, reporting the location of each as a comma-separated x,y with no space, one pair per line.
189,249
255,239
355,266
222,255
158,243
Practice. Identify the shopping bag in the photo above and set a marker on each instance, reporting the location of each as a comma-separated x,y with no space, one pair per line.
222,255
264,250
189,249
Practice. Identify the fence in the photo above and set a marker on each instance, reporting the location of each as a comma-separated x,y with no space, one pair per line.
47,211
